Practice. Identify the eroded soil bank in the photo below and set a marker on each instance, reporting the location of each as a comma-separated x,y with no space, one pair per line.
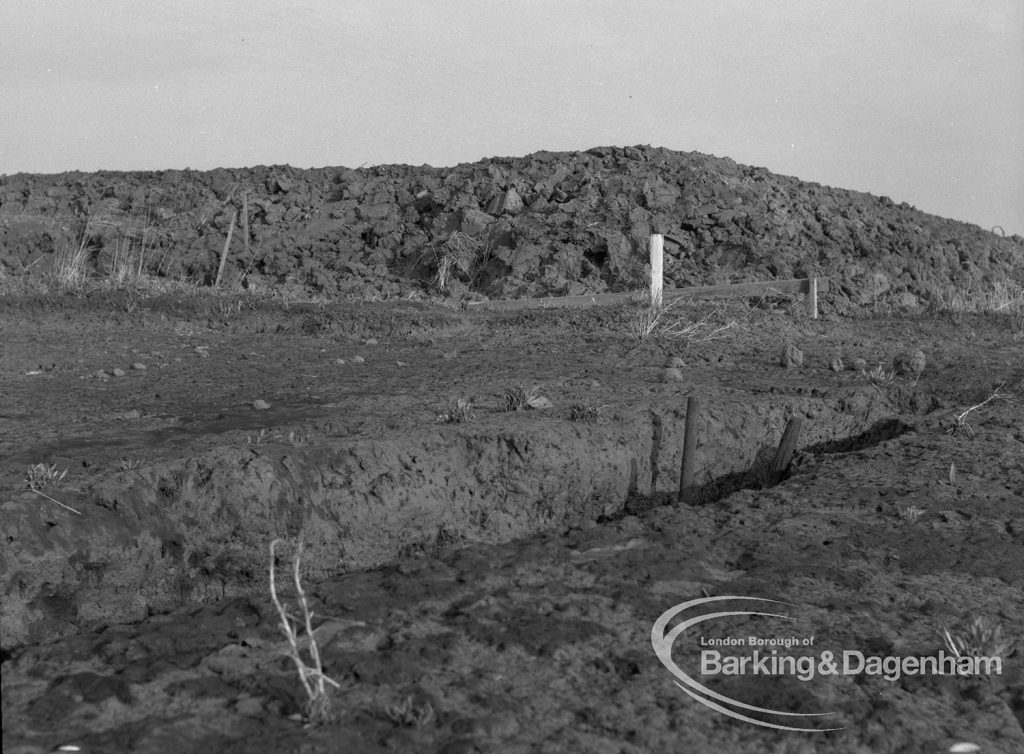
517,561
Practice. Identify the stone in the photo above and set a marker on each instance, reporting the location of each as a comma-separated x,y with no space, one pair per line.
791,357
260,405
909,364
857,364
672,374
835,364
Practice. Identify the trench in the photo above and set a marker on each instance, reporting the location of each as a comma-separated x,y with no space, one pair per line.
196,530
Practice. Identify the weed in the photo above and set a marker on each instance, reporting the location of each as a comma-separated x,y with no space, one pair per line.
129,464
407,713
263,436
984,638
518,398
259,438
458,411
40,475
585,412
314,680
911,513
879,376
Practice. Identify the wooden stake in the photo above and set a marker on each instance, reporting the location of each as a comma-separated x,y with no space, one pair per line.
245,221
812,297
224,254
657,249
784,453
687,493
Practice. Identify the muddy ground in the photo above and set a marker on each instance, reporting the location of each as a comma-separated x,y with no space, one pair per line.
491,585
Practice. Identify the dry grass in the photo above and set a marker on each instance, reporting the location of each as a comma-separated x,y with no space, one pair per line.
458,254
1004,297
672,322
458,411
586,411
519,398
311,673
71,266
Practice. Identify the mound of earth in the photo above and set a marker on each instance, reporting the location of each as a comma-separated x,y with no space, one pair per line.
545,224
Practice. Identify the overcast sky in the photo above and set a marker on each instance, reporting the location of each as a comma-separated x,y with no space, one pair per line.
919,100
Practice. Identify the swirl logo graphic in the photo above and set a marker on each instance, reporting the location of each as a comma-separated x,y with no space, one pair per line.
662,640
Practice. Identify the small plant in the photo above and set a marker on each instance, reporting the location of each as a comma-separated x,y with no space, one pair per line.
314,680
959,422
585,412
458,411
518,398
911,513
129,464
408,714
297,438
259,438
879,376
984,638
40,475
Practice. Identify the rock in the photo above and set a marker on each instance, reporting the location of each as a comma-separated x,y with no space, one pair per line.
909,364
138,366
260,405
835,364
672,374
791,357
358,359
857,364
507,201
676,362
118,372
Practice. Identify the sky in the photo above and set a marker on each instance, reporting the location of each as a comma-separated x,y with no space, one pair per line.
918,100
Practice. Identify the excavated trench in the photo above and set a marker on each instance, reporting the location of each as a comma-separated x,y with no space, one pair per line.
197,529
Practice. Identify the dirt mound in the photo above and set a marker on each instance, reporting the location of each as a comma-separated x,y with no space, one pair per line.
544,224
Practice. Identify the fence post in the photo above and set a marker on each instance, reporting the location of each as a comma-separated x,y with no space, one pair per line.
812,297
687,491
657,248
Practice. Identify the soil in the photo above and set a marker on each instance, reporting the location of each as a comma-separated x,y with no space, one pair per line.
491,585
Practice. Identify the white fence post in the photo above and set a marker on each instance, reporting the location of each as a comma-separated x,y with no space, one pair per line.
657,267
812,297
